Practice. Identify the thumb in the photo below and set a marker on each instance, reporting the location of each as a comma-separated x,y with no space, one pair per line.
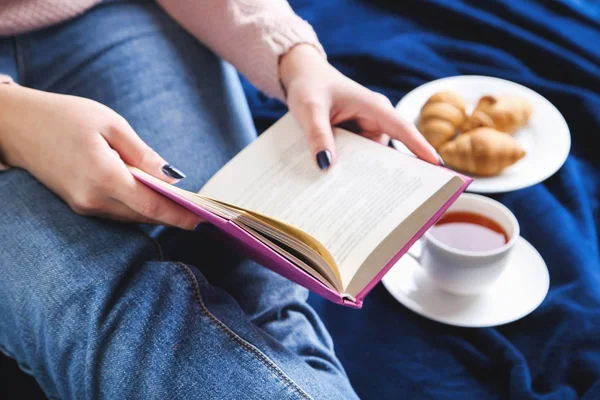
135,152
315,121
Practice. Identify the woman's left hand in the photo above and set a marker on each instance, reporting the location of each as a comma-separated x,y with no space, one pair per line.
319,97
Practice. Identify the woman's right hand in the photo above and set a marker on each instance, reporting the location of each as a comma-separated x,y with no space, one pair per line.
80,150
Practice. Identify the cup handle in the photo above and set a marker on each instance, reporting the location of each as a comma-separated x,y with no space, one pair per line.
415,251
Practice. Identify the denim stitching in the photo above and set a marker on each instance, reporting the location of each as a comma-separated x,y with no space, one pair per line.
236,338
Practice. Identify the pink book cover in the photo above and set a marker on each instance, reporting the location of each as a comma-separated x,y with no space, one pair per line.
269,258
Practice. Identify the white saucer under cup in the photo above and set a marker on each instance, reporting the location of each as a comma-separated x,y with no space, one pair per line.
518,291
546,137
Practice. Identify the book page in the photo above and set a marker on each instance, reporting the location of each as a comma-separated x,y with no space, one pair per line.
350,208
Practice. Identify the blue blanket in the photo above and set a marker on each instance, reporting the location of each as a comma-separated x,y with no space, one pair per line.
552,47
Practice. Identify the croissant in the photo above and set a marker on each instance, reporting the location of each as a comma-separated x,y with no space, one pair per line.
482,151
506,113
441,116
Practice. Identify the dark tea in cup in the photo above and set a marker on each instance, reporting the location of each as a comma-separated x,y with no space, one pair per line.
470,246
469,231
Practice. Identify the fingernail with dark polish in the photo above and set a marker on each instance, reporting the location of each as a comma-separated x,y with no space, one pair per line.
324,159
442,163
172,172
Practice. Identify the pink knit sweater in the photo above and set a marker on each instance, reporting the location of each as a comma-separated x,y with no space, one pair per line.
250,34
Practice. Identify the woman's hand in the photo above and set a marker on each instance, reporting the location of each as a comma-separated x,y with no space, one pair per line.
79,149
319,96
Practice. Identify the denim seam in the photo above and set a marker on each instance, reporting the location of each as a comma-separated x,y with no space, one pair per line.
260,356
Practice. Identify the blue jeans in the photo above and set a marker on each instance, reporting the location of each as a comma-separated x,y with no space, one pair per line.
100,309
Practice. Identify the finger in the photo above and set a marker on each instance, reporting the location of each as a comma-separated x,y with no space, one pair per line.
397,128
378,137
135,152
314,119
118,211
154,206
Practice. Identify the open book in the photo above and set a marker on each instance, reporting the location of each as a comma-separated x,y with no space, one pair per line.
335,232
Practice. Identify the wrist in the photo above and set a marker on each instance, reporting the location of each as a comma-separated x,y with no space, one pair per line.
11,121
300,60
5,84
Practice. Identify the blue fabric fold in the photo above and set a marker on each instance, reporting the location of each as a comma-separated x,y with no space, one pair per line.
553,47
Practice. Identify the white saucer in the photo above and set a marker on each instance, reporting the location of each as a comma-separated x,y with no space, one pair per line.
546,138
518,291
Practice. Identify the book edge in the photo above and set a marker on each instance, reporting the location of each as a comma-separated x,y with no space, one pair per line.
261,253
365,291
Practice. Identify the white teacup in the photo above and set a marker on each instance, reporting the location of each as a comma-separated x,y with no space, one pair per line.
464,272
